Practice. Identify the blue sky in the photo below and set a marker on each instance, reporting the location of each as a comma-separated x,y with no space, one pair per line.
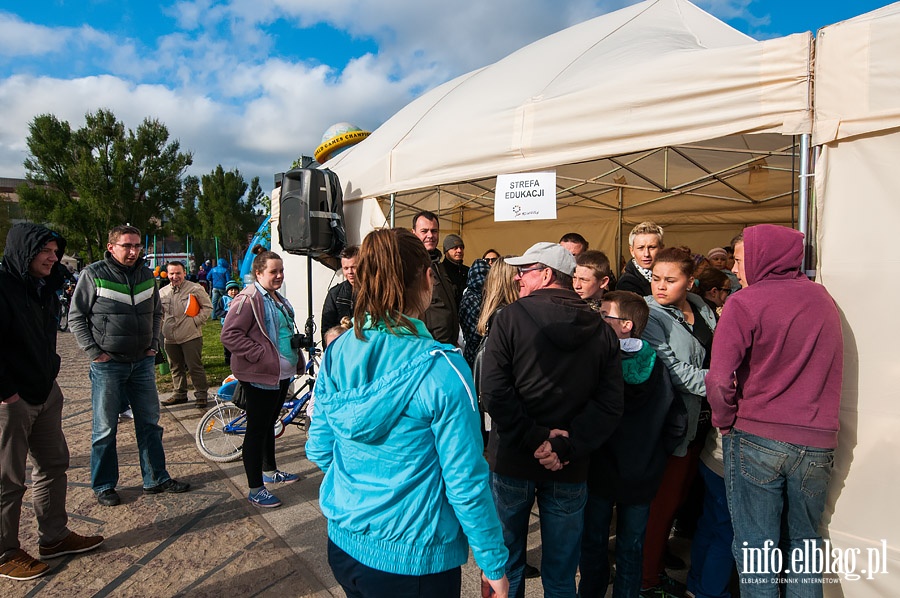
253,84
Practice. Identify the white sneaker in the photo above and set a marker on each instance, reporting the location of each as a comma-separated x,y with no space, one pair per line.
127,414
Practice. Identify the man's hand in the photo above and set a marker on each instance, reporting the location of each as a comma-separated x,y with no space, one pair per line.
545,455
151,352
498,587
11,400
102,358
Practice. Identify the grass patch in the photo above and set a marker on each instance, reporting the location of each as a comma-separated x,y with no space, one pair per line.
213,359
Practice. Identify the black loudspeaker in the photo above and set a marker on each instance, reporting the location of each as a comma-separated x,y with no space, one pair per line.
312,215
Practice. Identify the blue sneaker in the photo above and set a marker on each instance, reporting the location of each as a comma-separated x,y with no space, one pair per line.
280,477
263,498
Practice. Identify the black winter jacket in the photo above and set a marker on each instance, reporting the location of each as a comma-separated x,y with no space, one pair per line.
550,362
629,467
441,317
632,280
29,312
338,304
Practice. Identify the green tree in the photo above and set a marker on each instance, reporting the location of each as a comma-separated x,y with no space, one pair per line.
185,220
85,182
225,211
5,223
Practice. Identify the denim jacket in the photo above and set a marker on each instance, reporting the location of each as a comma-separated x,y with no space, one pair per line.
682,354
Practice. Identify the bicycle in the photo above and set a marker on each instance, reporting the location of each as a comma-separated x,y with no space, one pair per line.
62,320
219,434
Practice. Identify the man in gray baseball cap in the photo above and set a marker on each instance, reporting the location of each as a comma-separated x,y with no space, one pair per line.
552,384
554,262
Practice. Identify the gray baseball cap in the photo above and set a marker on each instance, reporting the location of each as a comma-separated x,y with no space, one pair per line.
553,255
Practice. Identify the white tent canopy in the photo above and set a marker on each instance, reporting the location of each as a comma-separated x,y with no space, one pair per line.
652,104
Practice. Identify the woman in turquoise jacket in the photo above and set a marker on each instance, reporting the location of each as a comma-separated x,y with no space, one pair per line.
397,434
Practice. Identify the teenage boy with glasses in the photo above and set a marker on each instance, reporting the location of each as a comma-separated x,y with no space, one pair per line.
116,318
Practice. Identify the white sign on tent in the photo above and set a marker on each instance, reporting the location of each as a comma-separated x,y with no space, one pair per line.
525,196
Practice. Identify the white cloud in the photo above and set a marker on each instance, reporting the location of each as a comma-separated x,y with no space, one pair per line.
734,9
212,81
18,38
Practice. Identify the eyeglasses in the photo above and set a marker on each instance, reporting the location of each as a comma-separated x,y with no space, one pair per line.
129,246
609,317
491,260
521,271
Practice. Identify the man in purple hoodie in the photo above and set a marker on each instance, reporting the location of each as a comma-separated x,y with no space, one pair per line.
774,385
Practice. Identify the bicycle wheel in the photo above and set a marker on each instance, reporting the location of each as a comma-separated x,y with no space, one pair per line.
279,423
216,443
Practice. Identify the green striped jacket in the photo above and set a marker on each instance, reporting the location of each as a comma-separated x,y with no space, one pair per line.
116,310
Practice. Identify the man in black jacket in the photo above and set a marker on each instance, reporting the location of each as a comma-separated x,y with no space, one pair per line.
552,384
454,268
339,301
31,409
441,317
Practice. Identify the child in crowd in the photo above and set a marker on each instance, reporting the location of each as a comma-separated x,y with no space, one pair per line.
627,470
329,337
712,561
232,288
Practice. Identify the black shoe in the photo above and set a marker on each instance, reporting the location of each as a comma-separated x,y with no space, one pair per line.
531,572
174,401
170,486
109,498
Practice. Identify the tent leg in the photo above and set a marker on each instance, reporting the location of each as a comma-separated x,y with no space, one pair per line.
393,205
804,198
619,235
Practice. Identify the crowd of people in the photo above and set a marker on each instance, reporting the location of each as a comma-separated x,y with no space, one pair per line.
656,395
701,388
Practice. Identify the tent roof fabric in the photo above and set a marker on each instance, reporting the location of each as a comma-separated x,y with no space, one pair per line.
659,73
857,88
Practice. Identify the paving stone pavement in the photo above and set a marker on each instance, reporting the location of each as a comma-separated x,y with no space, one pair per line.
207,542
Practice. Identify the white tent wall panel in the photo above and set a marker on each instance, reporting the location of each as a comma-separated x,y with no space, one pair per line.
857,178
860,266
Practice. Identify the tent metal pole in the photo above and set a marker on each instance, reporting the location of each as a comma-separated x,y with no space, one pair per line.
804,197
393,204
619,233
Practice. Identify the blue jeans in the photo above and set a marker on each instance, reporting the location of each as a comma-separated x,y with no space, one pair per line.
216,301
561,509
776,493
711,558
113,386
631,525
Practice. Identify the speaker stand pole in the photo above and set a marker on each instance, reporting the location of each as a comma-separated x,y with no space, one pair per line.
310,328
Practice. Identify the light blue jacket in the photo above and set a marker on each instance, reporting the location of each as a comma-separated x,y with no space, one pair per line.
396,431
682,354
